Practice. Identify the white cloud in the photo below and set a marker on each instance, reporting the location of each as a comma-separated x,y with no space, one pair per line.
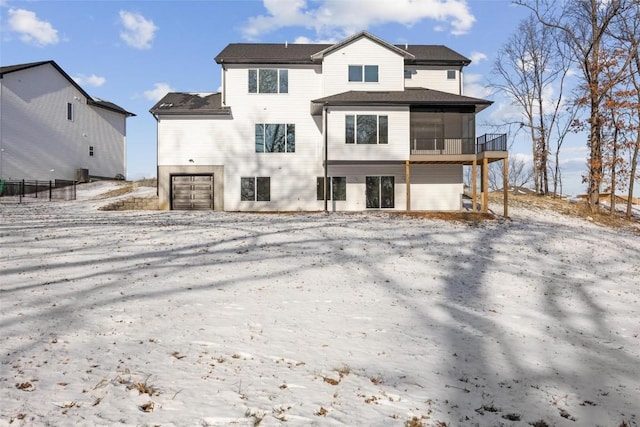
477,57
138,31
347,17
91,80
32,30
475,86
159,90
306,40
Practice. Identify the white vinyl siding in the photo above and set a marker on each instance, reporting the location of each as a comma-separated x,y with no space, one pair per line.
230,141
436,187
226,145
335,67
433,78
397,147
433,187
40,142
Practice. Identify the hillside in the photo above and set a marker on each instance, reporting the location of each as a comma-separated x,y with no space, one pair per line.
298,319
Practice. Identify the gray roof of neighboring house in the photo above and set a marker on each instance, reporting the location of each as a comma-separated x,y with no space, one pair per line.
90,100
409,96
284,53
191,103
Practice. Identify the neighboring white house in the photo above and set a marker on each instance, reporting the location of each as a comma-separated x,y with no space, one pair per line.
391,120
50,128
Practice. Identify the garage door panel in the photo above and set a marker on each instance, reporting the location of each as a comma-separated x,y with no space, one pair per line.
192,192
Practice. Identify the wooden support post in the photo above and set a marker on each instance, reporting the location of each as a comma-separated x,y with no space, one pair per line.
485,185
474,184
505,186
407,173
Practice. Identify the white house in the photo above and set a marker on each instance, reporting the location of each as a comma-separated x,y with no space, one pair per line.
50,128
391,121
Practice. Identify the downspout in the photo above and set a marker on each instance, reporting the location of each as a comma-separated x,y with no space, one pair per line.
157,158
224,85
326,155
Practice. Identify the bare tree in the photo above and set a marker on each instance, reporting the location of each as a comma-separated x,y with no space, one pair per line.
520,173
627,31
586,26
527,67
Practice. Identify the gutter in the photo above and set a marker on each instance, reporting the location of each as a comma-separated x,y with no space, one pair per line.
325,111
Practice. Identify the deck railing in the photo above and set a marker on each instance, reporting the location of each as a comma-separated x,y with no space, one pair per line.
453,146
443,146
492,142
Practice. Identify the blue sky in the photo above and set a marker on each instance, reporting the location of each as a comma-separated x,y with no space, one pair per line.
133,52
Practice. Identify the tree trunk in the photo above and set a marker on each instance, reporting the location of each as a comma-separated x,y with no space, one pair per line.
632,178
614,159
595,160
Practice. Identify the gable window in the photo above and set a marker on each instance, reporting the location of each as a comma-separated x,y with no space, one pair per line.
91,151
268,80
366,129
255,189
363,73
336,188
69,111
275,138
380,191
451,74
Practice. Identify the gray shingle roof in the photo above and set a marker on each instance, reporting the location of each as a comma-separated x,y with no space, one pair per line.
90,100
190,104
410,96
284,53
357,36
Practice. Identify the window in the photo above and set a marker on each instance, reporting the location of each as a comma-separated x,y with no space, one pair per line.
91,151
366,73
69,111
275,138
408,74
366,129
268,80
337,189
380,191
255,189
451,74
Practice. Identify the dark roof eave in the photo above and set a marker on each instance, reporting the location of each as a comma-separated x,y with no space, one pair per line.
479,105
262,61
90,101
115,109
444,63
165,112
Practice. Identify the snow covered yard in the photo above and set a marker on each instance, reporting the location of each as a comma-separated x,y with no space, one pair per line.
215,319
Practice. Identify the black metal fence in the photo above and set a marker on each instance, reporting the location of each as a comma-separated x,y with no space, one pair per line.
492,142
16,191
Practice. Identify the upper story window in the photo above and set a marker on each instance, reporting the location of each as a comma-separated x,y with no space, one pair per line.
451,74
275,138
69,111
268,80
366,129
363,73
91,152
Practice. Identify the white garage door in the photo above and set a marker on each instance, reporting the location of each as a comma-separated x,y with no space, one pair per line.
192,192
